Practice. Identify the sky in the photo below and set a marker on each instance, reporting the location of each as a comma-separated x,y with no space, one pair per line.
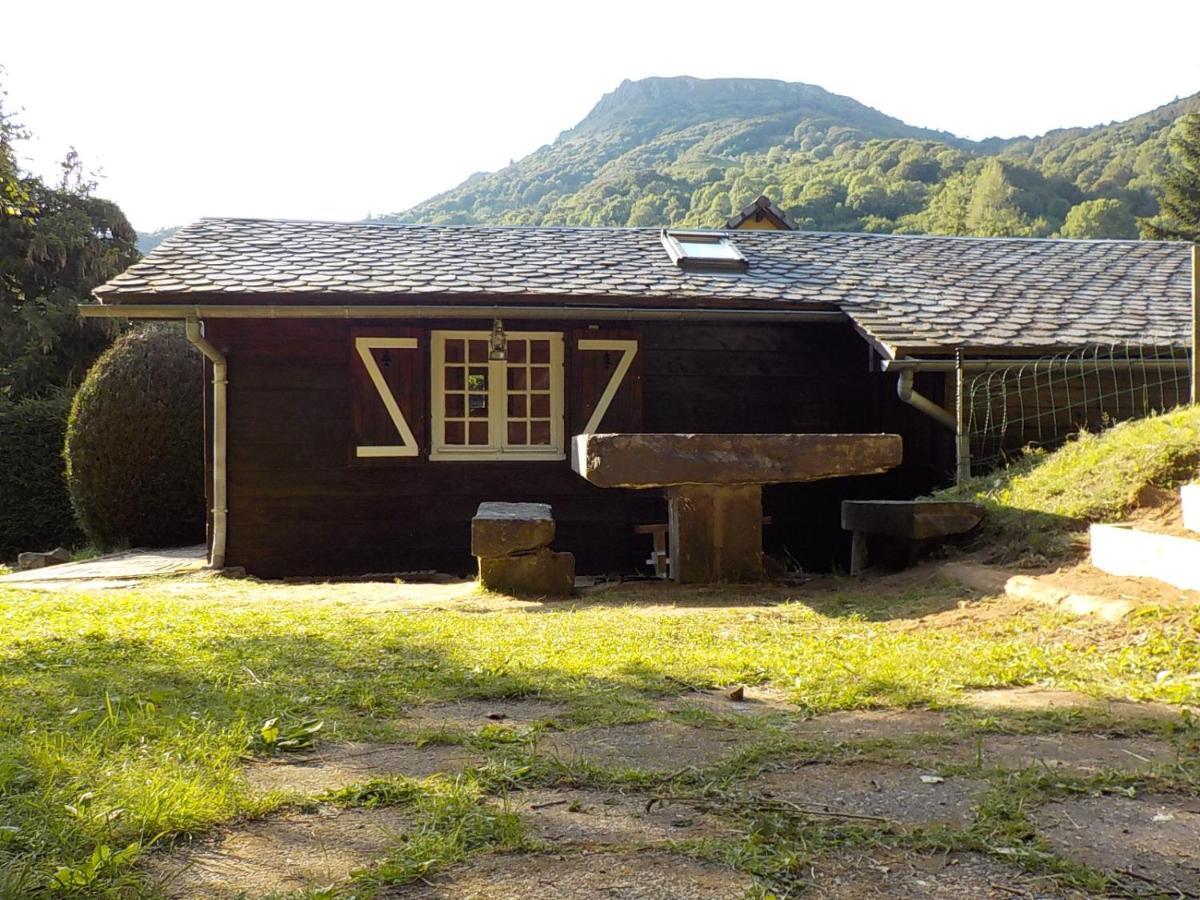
339,110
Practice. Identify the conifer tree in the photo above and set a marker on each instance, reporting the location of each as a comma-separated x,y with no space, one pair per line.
1179,191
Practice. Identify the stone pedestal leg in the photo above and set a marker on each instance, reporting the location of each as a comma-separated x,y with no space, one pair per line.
858,552
716,532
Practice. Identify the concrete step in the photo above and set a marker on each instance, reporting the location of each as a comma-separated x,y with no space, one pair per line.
1124,550
1190,495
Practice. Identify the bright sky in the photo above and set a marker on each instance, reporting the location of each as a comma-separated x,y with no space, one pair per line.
334,110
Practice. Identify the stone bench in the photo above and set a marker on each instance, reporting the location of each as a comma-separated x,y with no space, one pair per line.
512,543
910,525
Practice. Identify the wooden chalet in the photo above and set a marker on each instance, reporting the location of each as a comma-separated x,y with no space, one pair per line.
371,384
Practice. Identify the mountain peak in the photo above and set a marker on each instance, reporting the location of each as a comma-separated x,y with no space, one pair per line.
659,103
689,151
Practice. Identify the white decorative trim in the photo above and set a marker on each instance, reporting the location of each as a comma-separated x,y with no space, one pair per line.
498,449
364,346
628,350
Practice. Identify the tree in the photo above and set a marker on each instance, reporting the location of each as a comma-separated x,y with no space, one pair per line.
1099,219
57,242
1179,188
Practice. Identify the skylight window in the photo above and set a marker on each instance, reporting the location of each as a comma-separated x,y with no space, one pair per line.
707,251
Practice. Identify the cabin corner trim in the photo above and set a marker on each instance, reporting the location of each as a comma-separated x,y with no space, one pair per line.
629,349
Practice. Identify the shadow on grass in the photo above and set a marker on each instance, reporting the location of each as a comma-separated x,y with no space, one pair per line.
907,595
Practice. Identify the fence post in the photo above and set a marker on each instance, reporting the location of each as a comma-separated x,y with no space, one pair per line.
1195,373
962,437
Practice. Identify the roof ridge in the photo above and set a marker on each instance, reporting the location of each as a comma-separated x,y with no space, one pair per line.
752,234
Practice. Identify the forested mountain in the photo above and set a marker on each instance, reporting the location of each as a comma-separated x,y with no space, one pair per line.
687,151
148,240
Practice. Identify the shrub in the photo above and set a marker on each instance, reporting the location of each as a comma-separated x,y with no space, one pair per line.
36,511
135,444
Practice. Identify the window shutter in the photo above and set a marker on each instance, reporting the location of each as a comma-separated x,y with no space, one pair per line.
606,377
388,389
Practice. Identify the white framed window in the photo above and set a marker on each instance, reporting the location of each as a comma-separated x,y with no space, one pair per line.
485,408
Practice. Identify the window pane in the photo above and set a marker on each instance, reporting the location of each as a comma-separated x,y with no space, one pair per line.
456,378
478,405
479,351
708,250
456,406
540,378
477,380
516,350
516,378
517,433
455,432
539,433
479,433
539,405
539,351
454,351
516,406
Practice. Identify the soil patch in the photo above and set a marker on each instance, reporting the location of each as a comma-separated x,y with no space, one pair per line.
609,817
907,874
583,876
293,852
872,724
1034,699
336,766
898,794
1160,510
756,701
1155,838
1080,753
472,715
648,746
1138,592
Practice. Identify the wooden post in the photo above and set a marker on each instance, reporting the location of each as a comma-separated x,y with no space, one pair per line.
1196,323
962,439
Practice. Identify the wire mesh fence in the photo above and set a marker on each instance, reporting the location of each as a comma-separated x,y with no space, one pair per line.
1043,402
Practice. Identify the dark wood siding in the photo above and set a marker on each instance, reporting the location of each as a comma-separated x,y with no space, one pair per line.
300,505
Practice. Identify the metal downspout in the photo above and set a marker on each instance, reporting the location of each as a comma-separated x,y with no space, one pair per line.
904,389
220,510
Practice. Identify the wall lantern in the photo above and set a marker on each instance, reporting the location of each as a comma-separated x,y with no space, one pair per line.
499,341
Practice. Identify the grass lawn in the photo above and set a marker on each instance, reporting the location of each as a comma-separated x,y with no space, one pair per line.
126,716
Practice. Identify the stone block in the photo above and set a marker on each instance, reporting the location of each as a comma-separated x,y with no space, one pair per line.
661,460
715,532
1189,496
503,529
27,561
911,519
542,573
1123,550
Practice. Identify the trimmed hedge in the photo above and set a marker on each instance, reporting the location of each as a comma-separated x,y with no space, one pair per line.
35,509
135,443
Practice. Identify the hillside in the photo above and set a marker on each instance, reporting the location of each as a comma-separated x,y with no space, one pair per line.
1042,501
688,151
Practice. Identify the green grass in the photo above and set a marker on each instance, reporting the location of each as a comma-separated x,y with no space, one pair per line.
1041,500
125,715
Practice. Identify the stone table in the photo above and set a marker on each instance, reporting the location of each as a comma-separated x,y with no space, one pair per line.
713,484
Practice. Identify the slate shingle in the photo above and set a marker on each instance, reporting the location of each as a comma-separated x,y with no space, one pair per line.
915,293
